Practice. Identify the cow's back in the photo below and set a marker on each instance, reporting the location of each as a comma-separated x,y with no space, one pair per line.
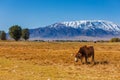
89,51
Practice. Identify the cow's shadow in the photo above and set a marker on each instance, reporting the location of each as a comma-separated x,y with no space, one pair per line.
101,62
97,62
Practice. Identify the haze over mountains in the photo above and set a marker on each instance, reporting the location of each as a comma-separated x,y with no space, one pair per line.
84,29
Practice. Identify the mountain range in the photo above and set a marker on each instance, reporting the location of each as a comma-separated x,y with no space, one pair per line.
77,30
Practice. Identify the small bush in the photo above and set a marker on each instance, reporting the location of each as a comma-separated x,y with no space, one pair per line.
2,35
115,40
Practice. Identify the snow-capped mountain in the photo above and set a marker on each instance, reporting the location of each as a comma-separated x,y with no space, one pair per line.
90,24
92,28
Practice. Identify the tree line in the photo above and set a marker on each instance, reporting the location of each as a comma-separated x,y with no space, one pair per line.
16,32
115,40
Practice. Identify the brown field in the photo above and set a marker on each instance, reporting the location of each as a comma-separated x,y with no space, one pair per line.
55,61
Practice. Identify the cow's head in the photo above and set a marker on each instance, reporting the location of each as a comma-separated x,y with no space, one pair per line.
78,56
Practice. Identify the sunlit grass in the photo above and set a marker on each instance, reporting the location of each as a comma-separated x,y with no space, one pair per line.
55,61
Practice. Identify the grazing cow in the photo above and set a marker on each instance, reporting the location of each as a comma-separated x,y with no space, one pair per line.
85,52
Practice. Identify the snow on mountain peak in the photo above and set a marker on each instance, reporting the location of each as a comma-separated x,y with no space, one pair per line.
92,24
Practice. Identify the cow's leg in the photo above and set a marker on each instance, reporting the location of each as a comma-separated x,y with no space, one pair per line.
93,58
81,60
86,59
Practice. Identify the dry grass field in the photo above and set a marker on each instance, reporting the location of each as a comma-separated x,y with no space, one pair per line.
55,61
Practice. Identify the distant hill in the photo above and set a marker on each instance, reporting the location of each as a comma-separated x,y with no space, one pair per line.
77,30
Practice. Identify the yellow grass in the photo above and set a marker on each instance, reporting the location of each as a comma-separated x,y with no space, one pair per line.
55,61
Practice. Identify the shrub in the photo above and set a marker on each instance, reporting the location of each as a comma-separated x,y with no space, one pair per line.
2,35
115,40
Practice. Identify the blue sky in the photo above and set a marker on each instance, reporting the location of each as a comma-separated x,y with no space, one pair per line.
39,13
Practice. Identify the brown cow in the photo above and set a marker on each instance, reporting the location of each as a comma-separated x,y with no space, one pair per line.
86,52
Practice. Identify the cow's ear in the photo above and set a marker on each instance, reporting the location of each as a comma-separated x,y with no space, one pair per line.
80,54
